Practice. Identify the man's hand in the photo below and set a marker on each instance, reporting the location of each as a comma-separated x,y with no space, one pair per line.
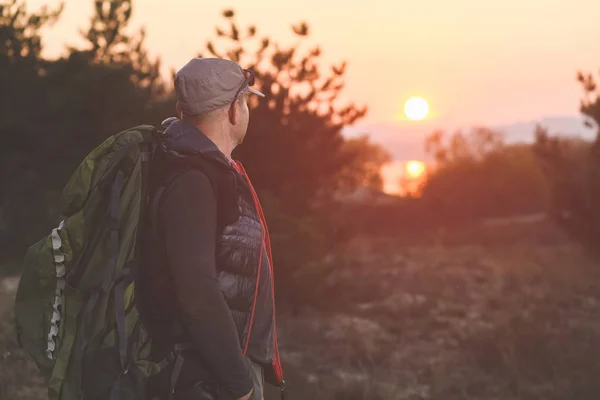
248,396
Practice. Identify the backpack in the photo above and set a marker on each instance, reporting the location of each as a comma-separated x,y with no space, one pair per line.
75,307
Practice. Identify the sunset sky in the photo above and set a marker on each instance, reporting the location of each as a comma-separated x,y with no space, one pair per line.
475,62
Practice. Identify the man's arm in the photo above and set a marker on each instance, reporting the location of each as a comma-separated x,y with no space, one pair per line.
188,216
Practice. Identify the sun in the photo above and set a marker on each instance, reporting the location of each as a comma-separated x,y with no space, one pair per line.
416,108
415,169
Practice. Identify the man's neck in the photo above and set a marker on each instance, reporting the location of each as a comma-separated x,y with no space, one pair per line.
221,139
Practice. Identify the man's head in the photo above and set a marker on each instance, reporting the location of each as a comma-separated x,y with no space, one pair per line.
212,94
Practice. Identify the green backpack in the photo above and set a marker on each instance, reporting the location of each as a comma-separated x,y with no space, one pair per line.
75,309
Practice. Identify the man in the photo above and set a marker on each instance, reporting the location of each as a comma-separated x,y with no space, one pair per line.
208,279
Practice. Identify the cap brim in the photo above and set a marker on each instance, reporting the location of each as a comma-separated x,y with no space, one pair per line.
256,92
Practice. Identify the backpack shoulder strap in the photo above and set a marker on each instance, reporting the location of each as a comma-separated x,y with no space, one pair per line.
169,168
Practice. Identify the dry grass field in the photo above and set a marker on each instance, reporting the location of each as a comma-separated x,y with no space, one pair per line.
515,319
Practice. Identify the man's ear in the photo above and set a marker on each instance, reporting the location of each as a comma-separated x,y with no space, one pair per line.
233,113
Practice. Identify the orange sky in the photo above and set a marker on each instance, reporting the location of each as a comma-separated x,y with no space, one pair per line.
475,61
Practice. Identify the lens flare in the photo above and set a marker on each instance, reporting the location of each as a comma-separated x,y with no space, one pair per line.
415,169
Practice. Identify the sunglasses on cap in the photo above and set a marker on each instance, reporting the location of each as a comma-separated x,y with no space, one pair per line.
248,82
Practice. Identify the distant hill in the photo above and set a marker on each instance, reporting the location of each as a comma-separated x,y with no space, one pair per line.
566,125
405,140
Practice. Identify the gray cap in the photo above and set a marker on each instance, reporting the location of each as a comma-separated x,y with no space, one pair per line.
205,84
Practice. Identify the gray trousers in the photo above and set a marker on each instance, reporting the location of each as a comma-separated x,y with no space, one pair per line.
198,393
258,377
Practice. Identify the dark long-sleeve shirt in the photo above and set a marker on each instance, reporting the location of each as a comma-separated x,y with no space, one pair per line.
188,218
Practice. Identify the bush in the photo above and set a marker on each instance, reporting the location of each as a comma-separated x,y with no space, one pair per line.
479,176
572,167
